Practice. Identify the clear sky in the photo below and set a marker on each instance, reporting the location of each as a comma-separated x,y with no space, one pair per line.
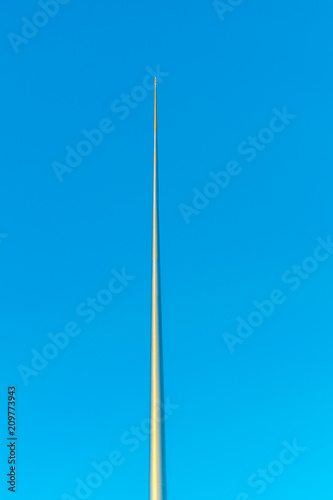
245,141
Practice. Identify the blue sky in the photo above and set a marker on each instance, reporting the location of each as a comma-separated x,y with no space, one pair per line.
257,76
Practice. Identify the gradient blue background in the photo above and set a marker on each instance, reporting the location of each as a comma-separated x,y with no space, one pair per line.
64,238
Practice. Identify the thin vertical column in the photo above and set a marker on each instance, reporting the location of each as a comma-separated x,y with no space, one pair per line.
157,472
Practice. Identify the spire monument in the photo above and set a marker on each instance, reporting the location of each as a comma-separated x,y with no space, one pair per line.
157,459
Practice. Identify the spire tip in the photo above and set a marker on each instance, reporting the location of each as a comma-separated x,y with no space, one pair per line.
155,80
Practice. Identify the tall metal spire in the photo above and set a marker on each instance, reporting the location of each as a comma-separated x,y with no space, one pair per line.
157,465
